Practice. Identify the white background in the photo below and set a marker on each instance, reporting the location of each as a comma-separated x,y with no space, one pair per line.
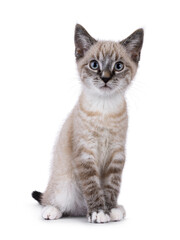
39,86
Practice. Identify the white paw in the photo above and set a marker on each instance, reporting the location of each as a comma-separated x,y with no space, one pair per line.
99,217
51,213
117,214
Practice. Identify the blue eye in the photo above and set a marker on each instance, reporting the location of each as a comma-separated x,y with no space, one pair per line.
119,66
94,65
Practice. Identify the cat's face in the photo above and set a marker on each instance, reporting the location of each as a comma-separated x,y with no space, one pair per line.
106,67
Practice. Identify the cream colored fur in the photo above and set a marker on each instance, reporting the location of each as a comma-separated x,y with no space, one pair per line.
63,191
94,135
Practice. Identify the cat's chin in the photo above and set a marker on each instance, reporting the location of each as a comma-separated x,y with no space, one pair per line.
103,91
106,92
106,88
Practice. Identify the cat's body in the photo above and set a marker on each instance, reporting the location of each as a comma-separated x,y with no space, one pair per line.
89,154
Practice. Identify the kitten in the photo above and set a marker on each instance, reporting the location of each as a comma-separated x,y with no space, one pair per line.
89,154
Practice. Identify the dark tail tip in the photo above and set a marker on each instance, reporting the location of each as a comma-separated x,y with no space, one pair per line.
37,196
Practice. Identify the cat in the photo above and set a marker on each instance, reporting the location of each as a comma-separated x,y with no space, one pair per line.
89,154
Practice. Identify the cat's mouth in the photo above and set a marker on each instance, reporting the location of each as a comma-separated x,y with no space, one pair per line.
105,87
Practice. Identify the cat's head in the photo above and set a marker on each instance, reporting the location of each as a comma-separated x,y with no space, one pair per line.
107,67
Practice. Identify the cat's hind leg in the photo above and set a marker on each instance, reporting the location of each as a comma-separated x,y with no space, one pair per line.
51,213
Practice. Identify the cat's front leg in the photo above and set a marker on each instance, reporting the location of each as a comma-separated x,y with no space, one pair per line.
89,181
111,184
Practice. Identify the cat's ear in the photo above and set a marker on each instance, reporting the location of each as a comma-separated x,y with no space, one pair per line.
83,41
133,44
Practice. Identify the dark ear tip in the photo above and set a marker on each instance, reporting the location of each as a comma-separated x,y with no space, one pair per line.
78,27
140,31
